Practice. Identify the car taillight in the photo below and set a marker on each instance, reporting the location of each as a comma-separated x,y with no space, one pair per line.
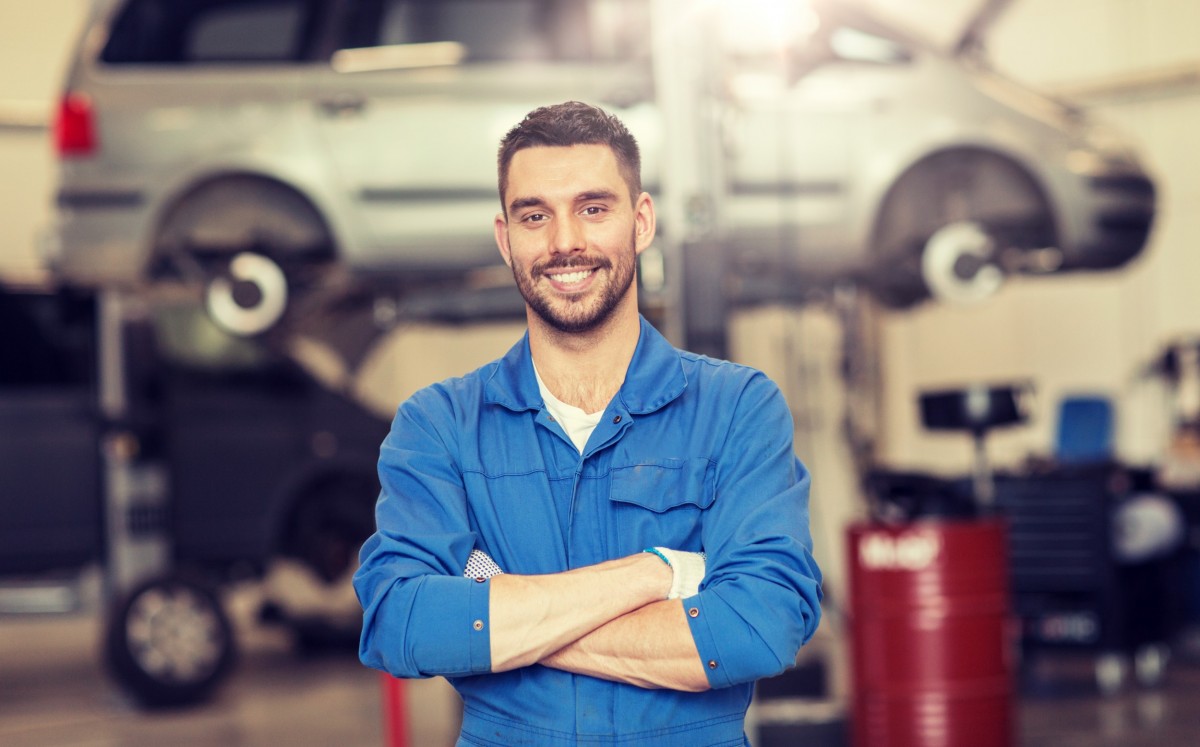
75,126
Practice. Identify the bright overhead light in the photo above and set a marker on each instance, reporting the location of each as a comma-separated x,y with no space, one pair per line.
752,27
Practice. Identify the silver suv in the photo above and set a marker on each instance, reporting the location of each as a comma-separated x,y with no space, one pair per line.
286,134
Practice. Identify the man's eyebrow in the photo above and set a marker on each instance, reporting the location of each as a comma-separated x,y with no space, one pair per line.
599,194
520,203
525,202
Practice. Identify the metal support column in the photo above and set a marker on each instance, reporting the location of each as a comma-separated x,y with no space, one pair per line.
686,76
135,485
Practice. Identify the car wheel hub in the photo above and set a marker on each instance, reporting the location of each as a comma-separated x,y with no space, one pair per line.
957,263
251,298
174,635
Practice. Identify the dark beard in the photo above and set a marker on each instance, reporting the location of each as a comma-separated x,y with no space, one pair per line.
620,278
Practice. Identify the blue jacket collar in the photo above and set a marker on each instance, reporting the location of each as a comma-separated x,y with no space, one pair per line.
655,376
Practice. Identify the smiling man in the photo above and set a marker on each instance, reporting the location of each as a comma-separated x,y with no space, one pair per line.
599,539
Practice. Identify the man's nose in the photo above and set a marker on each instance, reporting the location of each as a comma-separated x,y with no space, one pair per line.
568,235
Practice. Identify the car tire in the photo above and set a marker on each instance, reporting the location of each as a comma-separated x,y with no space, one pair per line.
169,642
252,244
934,205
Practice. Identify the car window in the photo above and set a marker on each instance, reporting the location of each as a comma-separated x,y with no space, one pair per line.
208,31
251,31
488,30
484,31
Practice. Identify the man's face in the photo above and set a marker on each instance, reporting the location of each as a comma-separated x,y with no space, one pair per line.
572,234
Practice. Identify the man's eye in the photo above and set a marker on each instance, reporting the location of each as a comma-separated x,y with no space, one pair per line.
593,210
535,218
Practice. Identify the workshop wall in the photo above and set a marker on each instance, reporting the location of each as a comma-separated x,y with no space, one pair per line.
34,40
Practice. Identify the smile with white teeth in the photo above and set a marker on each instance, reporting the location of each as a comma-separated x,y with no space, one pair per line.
571,277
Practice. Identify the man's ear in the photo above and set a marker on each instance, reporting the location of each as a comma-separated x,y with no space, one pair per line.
644,222
500,227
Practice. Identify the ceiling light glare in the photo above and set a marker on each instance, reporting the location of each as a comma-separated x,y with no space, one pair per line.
755,27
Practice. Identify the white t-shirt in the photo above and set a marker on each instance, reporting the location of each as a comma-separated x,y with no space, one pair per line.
577,423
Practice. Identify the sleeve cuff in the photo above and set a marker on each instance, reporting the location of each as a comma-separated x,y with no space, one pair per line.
453,635
481,627
714,660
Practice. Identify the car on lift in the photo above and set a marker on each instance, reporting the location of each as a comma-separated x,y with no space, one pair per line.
252,144
245,465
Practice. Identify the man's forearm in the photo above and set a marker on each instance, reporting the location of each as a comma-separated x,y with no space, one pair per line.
650,647
533,616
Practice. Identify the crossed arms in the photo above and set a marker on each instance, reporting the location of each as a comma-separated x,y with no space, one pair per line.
611,620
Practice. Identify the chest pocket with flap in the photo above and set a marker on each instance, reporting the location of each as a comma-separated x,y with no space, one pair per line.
661,502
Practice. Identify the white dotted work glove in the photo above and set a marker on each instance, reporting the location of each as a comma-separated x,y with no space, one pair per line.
687,570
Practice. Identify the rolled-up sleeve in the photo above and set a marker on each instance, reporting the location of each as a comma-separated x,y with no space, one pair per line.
421,617
760,601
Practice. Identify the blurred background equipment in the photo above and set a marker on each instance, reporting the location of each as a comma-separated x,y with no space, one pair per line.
930,602
140,437
975,410
1093,546
929,611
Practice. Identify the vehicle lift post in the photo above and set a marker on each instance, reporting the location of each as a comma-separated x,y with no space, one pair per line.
136,510
687,70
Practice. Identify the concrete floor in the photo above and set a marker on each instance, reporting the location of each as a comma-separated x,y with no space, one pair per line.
53,694
1063,709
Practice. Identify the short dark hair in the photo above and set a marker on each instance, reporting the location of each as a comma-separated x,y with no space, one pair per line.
572,123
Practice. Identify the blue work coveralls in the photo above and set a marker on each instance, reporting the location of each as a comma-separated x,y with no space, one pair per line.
692,454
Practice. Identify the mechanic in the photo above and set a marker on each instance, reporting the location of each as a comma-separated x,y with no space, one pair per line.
598,538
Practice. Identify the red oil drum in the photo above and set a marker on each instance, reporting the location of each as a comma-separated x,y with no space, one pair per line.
931,635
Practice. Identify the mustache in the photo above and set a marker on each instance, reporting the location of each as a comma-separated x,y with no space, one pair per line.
570,262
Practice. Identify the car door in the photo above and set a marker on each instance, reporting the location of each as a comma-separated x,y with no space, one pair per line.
416,99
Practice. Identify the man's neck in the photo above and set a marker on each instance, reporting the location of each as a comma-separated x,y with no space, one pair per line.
585,369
